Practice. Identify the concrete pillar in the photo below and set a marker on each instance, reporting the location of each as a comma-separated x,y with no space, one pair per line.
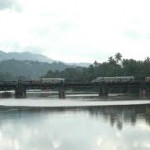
62,94
103,90
142,92
20,91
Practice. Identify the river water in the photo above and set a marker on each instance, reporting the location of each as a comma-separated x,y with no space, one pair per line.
122,127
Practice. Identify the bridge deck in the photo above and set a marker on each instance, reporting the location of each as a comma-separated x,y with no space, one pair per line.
38,85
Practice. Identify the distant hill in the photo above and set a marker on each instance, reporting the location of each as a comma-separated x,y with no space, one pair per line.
33,57
24,56
29,69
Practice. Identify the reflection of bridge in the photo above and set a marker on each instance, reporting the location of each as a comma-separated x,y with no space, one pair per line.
103,88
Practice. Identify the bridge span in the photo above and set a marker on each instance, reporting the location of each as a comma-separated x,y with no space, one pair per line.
103,88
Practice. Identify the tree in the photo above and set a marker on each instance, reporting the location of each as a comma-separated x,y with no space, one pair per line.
147,60
111,60
118,57
96,63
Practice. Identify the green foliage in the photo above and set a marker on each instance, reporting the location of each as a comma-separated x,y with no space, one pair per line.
118,57
6,77
113,67
28,70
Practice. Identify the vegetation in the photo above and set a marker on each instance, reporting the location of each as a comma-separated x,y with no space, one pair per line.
26,70
115,66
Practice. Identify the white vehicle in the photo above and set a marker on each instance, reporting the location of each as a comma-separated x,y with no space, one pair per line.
104,79
113,79
147,79
124,78
52,80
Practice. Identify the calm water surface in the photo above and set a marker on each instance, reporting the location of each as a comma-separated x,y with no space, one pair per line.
88,128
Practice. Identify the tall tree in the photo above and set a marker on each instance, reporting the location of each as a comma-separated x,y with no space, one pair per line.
118,57
96,63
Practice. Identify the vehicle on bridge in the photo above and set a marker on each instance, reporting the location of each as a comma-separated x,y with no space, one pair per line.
52,80
113,79
147,79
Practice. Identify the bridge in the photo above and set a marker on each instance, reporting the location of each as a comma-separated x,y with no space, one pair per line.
103,88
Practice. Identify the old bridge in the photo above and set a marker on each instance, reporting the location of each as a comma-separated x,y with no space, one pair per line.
103,88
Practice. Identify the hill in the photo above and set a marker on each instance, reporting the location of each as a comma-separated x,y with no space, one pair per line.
28,69
33,57
24,56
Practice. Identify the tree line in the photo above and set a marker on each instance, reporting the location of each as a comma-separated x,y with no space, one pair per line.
115,66
26,69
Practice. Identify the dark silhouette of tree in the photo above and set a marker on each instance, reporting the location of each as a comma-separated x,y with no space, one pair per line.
147,59
118,57
96,63
111,60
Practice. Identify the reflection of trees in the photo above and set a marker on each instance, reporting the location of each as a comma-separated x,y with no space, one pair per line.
115,115
118,115
147,117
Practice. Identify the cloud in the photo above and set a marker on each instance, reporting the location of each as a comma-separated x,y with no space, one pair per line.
89,29
135,35
9,4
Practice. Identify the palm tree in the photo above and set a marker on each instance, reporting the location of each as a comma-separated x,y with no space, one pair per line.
118,57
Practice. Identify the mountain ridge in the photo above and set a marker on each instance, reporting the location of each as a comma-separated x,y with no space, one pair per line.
29,69
34,57
24,56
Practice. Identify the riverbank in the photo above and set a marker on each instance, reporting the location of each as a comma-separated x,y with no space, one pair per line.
66,103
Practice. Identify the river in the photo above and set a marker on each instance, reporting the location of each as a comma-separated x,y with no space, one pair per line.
102,127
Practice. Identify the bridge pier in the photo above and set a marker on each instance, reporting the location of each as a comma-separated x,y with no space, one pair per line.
62,93
20,91
142,90
103,90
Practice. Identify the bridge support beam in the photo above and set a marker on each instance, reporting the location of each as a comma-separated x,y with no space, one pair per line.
62,94
20,91
103,90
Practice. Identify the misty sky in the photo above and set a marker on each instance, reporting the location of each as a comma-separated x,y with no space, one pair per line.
76,30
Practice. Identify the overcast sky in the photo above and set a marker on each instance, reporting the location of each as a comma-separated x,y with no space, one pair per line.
76,30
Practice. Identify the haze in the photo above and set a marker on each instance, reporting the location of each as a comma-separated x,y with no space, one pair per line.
76,30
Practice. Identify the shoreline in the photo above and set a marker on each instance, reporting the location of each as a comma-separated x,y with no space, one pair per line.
22,103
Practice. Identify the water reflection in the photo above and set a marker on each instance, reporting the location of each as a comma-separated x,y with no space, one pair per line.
90,128
119,115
